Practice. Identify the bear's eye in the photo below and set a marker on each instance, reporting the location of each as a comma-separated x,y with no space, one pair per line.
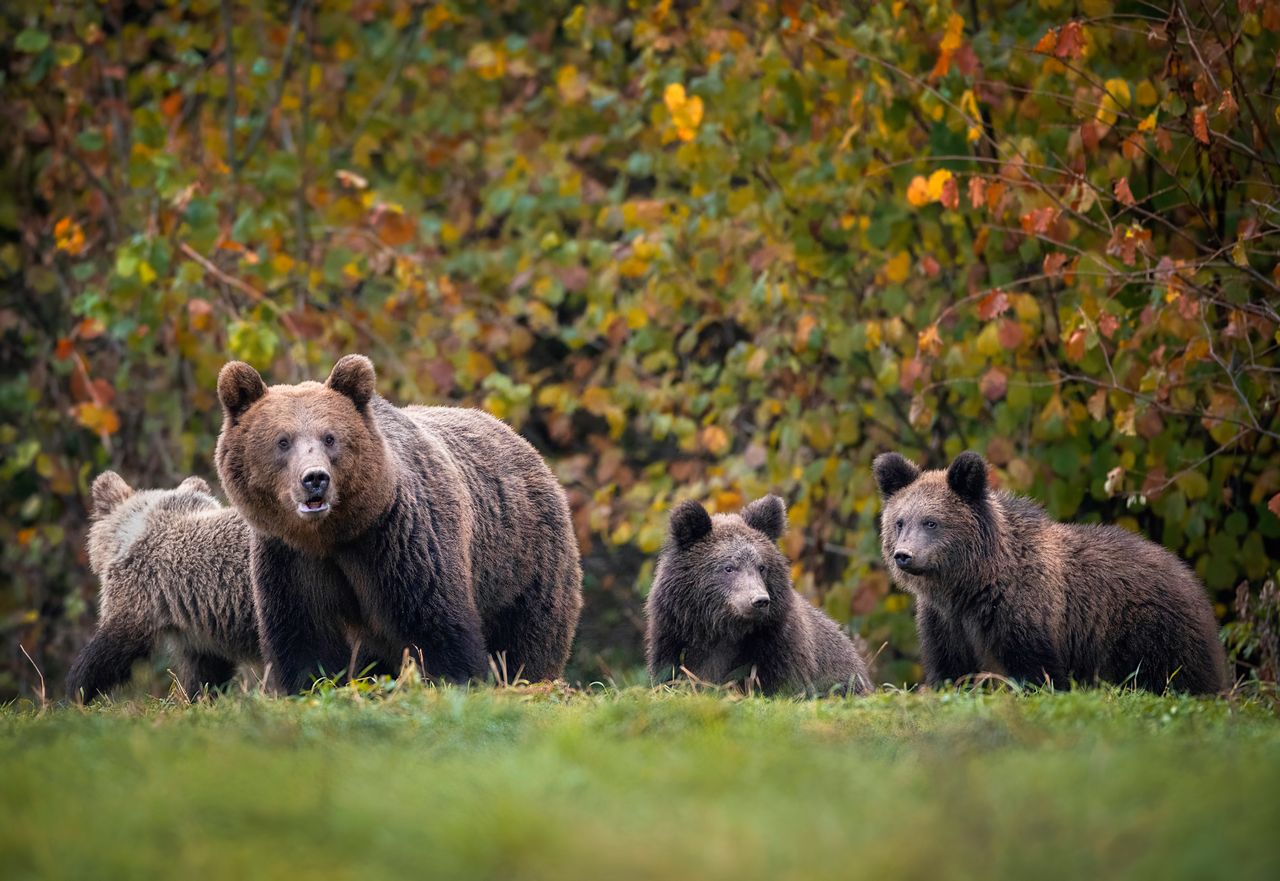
931,524
729,567
899,524
761,568
329,440
283,444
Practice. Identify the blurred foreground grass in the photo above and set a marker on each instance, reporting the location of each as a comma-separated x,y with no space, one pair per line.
642,784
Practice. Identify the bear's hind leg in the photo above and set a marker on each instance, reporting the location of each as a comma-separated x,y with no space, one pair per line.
108,659
198,671
532,636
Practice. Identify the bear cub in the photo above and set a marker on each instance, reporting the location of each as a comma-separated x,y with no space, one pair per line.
433,530
172,563
1002,588
722,606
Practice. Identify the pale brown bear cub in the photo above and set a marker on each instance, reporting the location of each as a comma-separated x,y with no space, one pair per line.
171,563
1002,588
722,607
433,530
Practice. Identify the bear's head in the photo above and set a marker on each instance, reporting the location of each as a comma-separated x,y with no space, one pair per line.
121,515
935,524
729,568
305,463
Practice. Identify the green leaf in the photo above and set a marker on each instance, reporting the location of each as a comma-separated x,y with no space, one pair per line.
31,41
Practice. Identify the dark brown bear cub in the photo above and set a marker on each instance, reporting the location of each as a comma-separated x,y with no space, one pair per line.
435,530
1002,588
722,607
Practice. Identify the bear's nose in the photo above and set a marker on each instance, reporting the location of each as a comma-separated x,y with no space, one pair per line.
902,558
760,602
315,481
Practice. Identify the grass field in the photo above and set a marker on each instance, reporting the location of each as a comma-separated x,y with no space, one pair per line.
641,784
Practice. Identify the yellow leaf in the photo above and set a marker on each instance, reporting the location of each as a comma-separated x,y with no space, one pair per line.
918,192
952,39
937,181
145,273
685,112
572,85
1115,100
898,268
1149,123
99,418
637,317
1146,93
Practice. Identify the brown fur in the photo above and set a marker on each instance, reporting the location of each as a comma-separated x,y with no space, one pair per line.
444,533
722,606
172,563
1002,588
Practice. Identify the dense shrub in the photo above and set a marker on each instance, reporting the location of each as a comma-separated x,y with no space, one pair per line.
688,249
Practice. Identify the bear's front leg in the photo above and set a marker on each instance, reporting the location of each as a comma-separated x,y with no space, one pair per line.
416,600
301,604
945,651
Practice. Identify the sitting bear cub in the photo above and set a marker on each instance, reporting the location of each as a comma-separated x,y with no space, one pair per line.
1002,588
171,563
722,607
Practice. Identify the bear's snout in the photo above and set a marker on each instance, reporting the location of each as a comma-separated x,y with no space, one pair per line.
760,602
315,485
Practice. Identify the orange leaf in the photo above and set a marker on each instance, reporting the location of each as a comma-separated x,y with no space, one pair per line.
1070,41
804,327
1123,193
171,106
394,228
994,384
977,192
1274,505
995,193
993,304
1075,344
1108,324
950,194
1010,334
715,440
929,341
1053,264
64,350
1047,43
1200,125
88,329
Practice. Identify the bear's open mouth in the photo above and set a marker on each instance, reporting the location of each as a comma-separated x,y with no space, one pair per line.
312,507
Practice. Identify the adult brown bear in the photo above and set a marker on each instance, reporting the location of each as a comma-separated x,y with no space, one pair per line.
435,530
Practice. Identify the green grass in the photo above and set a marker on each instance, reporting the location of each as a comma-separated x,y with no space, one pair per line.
642,784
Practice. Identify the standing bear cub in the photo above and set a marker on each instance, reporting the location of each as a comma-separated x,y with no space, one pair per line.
171,563
722,606
433,530
1002,588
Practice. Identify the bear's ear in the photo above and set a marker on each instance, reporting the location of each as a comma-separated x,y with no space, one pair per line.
239,386
689,522
108,491
353,376
195,485
893,473
767,515
967,476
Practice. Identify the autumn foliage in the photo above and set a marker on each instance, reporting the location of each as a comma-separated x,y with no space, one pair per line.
688,249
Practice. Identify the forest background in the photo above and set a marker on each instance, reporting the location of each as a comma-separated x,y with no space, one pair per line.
688,249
